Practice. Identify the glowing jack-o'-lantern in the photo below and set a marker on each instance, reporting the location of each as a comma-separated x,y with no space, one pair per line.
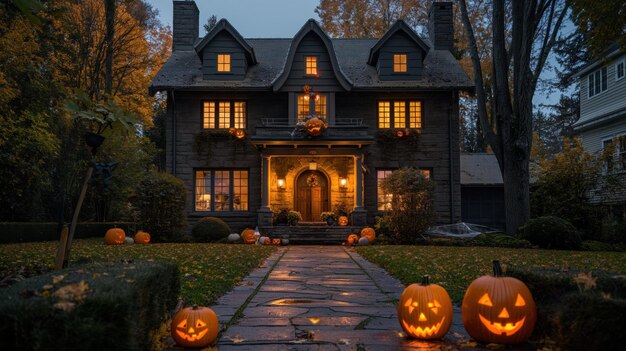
352,239
343,221
114,236
368,233
425,310
275,241
194,327
142,237
315,126
248,236
240,134
498,309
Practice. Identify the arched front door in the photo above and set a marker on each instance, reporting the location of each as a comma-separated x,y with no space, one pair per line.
311,195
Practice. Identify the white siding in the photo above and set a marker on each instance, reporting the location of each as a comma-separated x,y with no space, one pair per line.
609,101
593,138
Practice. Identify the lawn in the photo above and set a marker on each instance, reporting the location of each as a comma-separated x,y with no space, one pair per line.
455,268
207,270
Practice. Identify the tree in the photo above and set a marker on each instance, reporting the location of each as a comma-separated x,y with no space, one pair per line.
603,22
210,23
517,64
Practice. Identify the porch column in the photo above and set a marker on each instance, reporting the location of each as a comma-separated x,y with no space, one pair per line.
264,214
359,214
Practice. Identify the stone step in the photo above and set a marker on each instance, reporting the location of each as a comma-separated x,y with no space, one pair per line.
311,234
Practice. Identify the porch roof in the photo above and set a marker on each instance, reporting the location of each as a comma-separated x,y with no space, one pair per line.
325,141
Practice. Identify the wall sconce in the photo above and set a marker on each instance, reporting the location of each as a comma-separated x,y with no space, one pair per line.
312,166
343,183
281,184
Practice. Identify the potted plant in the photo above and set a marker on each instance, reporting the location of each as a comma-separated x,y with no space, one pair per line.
329,217
281,217
293,217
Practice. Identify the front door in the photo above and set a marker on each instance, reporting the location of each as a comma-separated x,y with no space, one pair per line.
311,195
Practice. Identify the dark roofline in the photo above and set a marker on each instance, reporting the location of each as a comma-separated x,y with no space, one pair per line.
224,25
311,26
400,25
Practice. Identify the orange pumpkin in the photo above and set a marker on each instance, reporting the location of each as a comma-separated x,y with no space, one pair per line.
248,236
498,309
425,310
142,237
315,126
368,233
114,236
194,327
343,221
352,239
275,241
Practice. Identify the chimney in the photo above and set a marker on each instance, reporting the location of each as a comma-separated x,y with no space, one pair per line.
440,29
185,25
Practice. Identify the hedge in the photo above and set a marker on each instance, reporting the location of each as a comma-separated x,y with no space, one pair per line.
118,307
22,232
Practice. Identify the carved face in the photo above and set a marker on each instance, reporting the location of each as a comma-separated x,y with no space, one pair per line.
142,237
315,126
368,233
240,134
425,311
248,236
114,236
499,310
343,220
353,239
194,327
275,241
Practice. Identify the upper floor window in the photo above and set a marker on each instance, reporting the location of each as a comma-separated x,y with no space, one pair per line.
221,190
597,82
616,161
224,114
405,114
311,65
223,62
399,63
620,70
304,106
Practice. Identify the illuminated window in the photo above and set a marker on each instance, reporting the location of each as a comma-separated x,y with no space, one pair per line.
303,106
223,62
415,114
384,114
224,114
399,63
399,114
311,65
384,199
221,190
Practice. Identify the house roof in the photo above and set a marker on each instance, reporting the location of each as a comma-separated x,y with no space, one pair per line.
224,25
400,25
183,70
480,169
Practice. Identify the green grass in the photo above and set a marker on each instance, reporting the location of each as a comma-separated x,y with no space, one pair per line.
455,268
207,271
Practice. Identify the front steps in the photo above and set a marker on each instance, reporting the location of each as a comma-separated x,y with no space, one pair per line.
313,233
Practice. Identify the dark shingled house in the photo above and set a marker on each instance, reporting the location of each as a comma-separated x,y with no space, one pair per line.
240,131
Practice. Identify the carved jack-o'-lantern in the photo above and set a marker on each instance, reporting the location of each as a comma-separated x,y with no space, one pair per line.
400,133
352,239
194,327
142,237
343,220
275,241
368,233
240,134
114,236
425,310
248,236
315,126
498,309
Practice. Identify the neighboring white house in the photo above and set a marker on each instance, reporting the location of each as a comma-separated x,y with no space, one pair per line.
603,115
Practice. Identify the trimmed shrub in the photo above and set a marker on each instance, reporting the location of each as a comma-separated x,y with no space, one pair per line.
551,233
22,232
103,306
161,203
210,229
499,240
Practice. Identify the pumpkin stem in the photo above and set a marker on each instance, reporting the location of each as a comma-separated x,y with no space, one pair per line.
497,270
194,307
425,279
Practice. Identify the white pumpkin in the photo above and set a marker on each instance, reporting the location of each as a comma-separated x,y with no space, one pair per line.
284,242
234,237
129,240
364,241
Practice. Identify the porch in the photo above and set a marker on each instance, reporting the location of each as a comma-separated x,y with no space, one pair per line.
311,233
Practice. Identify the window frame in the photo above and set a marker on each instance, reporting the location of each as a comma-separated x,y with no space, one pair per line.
392,169
306,65
400,64
623,63
407,113
231,190
230,62
218,117
326,98
617,163
603,74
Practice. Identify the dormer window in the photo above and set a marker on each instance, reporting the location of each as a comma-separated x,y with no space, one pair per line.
223,63
399,63
311,65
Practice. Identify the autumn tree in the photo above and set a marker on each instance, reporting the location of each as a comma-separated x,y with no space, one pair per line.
602,22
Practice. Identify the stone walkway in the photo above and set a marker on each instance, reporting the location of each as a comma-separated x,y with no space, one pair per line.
319,298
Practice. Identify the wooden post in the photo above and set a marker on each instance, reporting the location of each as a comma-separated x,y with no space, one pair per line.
81,198
62,248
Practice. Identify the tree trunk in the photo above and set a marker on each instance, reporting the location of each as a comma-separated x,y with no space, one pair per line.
516,178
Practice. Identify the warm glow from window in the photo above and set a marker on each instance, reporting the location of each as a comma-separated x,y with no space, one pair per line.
208,115
399,63
224,112
221,190
223,62
239,115
311,65
399,114
384,114
303,106
415,114
384,200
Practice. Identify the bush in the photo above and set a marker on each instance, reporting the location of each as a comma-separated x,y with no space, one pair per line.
412,205
210,229
22,232
281,216
118,307
499,240
161,199
551,233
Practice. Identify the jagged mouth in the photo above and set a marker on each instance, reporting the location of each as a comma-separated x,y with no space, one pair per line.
192,337
500,328
423,332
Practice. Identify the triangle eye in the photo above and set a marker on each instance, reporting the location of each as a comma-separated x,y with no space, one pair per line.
182,324
520,301
200,323
485,300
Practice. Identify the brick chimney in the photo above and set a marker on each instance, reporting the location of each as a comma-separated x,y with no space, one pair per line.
440,29
185,25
